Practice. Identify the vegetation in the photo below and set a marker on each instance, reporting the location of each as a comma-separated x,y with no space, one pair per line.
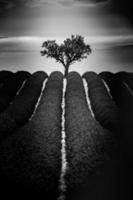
23,105
122,94
127,77
116,87
73,49
88,146
32,155
106,111
108,78
4,75
10,88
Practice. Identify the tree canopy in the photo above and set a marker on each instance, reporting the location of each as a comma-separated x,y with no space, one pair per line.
71,50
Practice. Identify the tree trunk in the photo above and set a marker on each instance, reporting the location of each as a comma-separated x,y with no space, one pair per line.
66,70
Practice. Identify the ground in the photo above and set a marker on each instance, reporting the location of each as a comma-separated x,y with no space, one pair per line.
98,128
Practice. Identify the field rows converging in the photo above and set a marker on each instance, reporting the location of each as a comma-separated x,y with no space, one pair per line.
106,112
9,89
58,135
121,91
20,110
89,147
32,155
126,77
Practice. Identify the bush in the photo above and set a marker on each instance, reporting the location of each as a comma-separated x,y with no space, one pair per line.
126,77
118,90
32,155
10,87
106,75
23,105
91,150
106,112
4,75
124,99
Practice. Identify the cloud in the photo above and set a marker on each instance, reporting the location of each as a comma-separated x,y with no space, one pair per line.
90,3
38,3
109,40
8,4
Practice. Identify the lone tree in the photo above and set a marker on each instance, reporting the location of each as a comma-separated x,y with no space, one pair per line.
73,49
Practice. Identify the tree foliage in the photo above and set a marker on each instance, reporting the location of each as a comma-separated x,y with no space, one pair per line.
71,50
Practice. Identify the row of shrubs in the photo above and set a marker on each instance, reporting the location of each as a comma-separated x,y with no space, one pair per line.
122,94
10,87
106,111
20,110
4,75
90,148
32,155
117,85
10,83
121,86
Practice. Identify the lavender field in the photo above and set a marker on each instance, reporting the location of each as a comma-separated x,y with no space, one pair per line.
66,138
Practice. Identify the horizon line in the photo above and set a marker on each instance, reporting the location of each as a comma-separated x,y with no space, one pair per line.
94,40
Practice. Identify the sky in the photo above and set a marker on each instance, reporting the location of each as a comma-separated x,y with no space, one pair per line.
105,24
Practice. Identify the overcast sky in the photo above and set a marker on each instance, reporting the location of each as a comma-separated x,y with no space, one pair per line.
24,24
60,18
